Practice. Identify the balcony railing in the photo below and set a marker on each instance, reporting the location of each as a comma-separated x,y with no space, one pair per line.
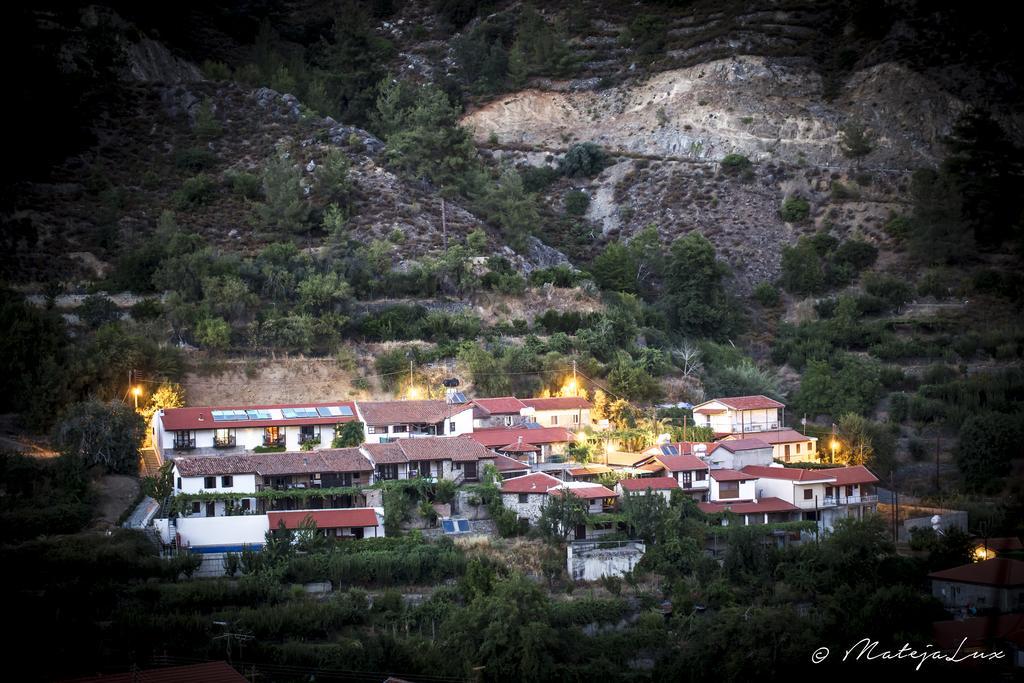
184,444
825,502
309,438
225,442
755,426
279,441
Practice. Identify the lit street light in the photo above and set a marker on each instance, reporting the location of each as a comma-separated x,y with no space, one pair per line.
136,391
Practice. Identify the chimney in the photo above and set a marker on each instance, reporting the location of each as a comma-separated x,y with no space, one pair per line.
519,442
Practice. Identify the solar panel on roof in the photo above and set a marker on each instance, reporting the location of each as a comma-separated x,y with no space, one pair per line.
448,526
532,425
288,413
258,414
227,415
669,449
325,412
345,411
458,397
463,525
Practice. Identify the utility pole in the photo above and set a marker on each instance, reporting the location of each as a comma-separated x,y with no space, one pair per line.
444,225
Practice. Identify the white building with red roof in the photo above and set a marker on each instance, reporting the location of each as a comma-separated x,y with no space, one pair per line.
527,496
508,411
547,440
390,420
731,485
740,414
642,486
788,445
226,429
691,473
736,454
822,495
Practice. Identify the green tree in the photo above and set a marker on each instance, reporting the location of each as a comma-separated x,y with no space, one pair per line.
615,269
562,513
213,333
348,435
938,235
695,301
107,435
986,446
846,384
645,513
322,293
284,208
855,141
514,209
206,126
584,159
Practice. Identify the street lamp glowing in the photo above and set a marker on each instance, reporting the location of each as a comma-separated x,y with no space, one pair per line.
413,393
136,392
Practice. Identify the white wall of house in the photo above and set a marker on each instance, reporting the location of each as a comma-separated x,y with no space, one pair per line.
568,418
735,421
722,458
245,438
694,482
456,424
799,451
664,493
240,483
747,490
214,531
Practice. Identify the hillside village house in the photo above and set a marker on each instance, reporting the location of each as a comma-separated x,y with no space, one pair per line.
730,485
508,411
456,458
389,420
788,445
690,473
738,453
823,495
528,495
740,415
531,443
762,511
996,584
643,486
217,430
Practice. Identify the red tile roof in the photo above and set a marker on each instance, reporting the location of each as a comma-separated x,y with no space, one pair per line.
777,436
455,448
999,571
325,519
531,483
739,445
801,474
426,411
730,475
520,447
558,403
585,470
507,464
325,460
681,463
589,491
500,436
763,505
202,417
502,405
980,631
207,672
743,403
385,453
845,476
644,483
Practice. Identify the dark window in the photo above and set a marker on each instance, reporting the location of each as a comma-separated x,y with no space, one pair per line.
211,509
687,478
829,491
808,494
246,504
524,497
209,482
387,471
195,507
273,436
471,470
227,481
451,426
179,482
400,429
849,491
728,489
701,475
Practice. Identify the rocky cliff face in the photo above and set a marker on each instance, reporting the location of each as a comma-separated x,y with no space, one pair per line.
767,111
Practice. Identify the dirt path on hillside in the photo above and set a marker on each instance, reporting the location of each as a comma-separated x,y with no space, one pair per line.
116,493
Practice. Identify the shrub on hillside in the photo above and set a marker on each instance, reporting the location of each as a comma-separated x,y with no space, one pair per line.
795,210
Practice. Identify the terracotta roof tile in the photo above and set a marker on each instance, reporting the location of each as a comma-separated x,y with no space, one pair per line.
682,463
558,403
583,490
427,411
531,483
326,460
730,475
738,445
507,464
756,402
999,571
502,405
769,504
325,519
644,483
207,672
776,436
455,448
500,436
